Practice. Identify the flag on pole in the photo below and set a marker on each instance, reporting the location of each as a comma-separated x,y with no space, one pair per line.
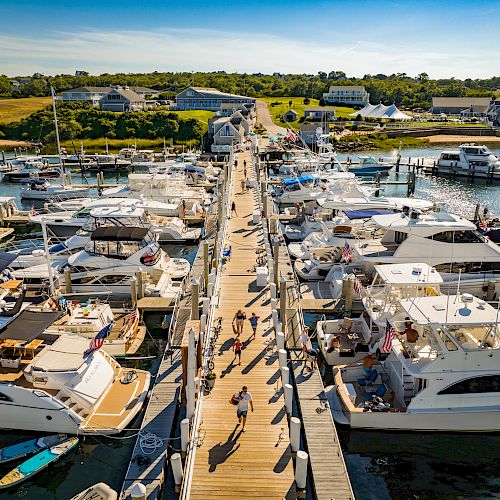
483,227
346,253
133,315
97,342
390,333
291,135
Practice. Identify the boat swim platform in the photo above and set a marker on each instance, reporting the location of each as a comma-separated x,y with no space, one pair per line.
230,463
326,461
155,304
158,419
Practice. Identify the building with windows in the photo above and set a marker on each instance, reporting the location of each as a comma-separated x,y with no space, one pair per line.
473,106
209,99
352,95
320,114
95,94
122,99
290,116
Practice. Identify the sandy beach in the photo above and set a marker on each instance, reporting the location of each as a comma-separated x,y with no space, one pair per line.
478,139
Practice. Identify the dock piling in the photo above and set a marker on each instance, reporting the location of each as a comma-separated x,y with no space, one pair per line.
184,435
288,389
282,284
280,341
285,375
133,291
282,356
138,492
191,369
67,280
295,434
301,469
195,299
177,470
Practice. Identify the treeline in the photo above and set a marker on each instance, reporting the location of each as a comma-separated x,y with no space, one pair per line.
402,89
82,121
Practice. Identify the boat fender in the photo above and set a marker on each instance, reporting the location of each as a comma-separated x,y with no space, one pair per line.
128,377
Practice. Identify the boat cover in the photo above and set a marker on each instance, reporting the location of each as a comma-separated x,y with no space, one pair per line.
366,213
119,233
29,325
6,259
294,180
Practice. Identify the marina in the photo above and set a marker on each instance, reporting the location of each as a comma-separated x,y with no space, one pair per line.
168,292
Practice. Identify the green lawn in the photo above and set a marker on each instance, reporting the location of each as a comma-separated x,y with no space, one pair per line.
13,110
196,113
298,106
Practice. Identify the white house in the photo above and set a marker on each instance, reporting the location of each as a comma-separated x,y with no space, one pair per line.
353,95
209,99
320,114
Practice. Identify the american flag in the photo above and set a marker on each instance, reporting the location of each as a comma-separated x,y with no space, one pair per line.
291,135
98,340
346,253
133,315
390,333
358,286
483,227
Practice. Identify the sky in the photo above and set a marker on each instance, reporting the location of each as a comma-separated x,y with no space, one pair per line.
444,38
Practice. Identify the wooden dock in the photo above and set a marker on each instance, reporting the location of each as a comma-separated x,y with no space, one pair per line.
258,462
159,420
329,474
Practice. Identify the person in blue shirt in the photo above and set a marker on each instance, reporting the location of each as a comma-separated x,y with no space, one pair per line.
253,321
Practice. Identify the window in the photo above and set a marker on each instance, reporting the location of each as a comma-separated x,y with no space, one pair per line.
476,385
227,131
190,93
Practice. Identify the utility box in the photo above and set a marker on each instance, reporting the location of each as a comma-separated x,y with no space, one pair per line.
262,274
255,216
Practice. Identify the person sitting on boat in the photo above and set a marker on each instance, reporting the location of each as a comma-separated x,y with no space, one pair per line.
410,332
333,344
369,361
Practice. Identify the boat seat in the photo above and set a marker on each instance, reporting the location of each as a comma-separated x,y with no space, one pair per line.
370,378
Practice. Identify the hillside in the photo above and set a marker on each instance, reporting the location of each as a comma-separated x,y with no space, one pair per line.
13,110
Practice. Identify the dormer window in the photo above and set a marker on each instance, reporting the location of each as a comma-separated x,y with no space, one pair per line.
190,93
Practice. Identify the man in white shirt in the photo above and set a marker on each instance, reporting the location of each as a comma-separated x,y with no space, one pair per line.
244,397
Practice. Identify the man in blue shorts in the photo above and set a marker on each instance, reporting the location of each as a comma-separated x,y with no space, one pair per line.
244,398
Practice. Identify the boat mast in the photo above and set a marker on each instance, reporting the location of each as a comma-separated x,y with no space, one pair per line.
55,123
47,256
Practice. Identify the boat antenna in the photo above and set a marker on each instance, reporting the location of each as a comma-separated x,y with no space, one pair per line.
55,123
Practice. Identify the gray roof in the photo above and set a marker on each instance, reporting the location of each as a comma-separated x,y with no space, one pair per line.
336,88
105,90
325,108
459,102
208,92
128,94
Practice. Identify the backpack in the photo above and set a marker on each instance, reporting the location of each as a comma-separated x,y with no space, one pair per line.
235,400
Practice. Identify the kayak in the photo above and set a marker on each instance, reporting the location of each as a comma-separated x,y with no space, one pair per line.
99,491
25,448
37,463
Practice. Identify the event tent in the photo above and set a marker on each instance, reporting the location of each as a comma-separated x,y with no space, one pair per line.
383,112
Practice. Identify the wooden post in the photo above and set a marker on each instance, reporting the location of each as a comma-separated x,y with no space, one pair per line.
195,299
283,304
398,160
191,370
140,284
276,253
133,291
476,212
67,280
206,260
377,184
219,211
349,297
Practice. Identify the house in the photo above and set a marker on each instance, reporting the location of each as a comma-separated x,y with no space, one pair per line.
95,94
290,116
309,132
493,113
455,105
208,99
227,109
122,99
14,84
226,134
320,114
80,72
353,95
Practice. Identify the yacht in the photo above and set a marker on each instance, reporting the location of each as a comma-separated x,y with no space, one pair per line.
112,258
31,170
447,380
38,189
380,301
52,383
88,319
469,158
368,166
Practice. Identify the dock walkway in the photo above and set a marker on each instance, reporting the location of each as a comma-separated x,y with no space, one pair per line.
257,463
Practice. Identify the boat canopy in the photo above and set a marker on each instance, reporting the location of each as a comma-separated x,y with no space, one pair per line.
29,325
35,182
194,169
6,259
295,180
113,233
366,214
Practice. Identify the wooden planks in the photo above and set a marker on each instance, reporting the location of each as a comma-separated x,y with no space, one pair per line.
158,419
329,473
258,462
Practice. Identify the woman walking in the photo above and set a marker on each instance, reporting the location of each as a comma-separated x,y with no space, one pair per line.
254,320
239,319
237,346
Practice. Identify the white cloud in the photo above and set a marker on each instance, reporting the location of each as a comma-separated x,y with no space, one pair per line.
208,50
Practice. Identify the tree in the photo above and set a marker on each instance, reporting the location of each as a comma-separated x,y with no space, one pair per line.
307,101
290,104
423,77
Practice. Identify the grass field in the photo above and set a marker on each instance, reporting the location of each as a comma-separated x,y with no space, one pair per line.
199,114
298,106
13,110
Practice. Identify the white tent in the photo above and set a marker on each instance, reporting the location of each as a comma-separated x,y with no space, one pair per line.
383,112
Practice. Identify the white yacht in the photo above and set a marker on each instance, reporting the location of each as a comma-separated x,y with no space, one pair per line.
112,258
446,241
448,380
38,189
48,384
88,319
469,158
380,299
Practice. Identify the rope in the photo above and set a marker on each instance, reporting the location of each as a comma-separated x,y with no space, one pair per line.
149,442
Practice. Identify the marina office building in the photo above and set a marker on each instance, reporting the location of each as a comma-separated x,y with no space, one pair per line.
347,94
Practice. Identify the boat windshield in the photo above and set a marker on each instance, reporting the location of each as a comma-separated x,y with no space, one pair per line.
120,249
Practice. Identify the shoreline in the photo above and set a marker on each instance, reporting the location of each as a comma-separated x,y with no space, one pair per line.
478,139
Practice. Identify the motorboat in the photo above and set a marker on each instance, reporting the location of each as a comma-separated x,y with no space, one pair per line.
9,209
31,170
114,255
89,318
368,166
38,189
448,379
469,158
441,239
350,339
56,384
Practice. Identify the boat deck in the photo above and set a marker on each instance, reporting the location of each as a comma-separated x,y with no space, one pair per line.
257,463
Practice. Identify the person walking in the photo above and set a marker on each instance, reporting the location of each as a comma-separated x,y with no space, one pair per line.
237,346
239,319
254,321
233,209
243,185
245,168
244,399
